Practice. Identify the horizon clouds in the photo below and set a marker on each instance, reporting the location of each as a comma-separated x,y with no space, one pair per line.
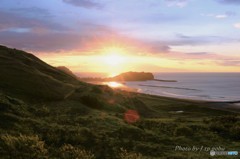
144,28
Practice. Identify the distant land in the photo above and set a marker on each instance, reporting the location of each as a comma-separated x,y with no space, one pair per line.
127,76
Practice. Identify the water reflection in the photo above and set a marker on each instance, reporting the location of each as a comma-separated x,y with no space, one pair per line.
114,84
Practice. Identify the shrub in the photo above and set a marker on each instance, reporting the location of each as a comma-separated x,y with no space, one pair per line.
68,151
42,111
183,131
97,89
218,128
176,157
92,102
22,147
235,132
124,154
226,119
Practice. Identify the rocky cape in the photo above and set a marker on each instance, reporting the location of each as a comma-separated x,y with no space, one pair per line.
127,76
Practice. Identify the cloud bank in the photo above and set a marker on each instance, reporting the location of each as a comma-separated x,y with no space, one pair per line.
84,3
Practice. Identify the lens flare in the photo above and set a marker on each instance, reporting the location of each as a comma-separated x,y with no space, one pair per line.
131,116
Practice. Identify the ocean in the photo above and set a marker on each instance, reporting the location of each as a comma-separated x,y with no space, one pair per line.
197,86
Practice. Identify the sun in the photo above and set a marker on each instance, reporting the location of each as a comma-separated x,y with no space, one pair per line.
113,59
114,56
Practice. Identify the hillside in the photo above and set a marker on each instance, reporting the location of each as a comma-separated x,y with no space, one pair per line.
25,75
66,70
78,120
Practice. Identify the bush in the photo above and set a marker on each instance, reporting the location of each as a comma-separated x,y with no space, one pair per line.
97,90
183,131
226,119
124,154
22,147
235,132
218,128
176,157
42,111
92,102
68,151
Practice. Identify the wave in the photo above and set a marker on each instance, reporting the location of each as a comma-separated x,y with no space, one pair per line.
170,87
193,97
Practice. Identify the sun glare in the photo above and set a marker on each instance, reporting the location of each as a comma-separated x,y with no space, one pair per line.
113,56
114,84
114,59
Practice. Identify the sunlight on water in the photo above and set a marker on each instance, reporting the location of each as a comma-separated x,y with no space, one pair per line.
114,84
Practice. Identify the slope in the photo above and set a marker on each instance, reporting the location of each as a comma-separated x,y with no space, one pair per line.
24,75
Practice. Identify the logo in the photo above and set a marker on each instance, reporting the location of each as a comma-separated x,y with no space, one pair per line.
212,153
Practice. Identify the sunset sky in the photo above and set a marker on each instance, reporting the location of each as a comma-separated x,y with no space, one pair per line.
114,36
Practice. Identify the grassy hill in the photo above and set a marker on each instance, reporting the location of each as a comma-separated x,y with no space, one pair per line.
25,75
67,71
46,113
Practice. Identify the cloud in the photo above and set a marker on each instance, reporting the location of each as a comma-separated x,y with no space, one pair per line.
10,21
46,42
229,1
32,12
44,35
202,57
34,34
195,56
178,3
228,62
155,47
198,53
221,16
84,3
237,25
181,40
52,41
161,48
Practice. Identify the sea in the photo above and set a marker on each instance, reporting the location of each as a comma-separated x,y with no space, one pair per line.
222,87
196,86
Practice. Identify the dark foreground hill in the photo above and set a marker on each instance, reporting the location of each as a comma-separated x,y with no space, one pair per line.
25,75
77,120
66,70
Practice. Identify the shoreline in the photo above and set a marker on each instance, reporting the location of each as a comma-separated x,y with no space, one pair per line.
232,102
237,102
136,90
229,106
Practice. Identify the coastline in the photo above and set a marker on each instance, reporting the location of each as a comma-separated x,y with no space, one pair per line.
190,86
230,106
125,87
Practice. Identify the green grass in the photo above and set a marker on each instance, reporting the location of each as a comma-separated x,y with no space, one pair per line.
103,132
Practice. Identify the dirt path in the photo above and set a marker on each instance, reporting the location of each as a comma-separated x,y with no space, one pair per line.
69,94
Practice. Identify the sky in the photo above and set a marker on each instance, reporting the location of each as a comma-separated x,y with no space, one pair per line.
114,36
